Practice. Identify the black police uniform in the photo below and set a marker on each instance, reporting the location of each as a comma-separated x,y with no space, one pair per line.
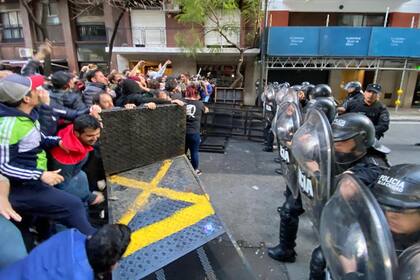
270,111
377,113
355,95
367,170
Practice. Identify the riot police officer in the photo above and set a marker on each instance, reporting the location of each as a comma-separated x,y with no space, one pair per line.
356,152
354,92
292,207
398,193
372,108
269,112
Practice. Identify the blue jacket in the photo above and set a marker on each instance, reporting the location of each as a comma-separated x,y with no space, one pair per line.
22,153
62,257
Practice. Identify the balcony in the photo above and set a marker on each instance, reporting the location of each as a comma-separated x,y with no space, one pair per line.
91,32
164,37
344,42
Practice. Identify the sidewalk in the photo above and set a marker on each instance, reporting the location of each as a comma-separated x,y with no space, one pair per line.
404,114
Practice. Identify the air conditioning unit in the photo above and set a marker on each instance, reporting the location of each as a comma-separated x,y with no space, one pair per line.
25,52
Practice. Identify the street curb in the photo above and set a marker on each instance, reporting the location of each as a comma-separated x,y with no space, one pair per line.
405,119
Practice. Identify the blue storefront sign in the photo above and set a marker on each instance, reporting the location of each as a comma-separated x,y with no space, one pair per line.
293,41
395,42
344,41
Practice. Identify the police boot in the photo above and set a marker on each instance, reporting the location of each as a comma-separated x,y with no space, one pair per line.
318,265
285,251
277,160
278,171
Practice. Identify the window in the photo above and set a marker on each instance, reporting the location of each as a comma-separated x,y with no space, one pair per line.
53,14
360,20
11,27
91,53
91,32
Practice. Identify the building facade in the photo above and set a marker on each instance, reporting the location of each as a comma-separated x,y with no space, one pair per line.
349,22
151,35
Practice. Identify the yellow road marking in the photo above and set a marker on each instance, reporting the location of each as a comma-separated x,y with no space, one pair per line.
181,219
178,221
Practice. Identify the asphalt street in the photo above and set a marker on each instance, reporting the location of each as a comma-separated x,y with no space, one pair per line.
245,192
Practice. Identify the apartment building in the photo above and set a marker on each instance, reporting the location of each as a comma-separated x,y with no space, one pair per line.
303,43
325,41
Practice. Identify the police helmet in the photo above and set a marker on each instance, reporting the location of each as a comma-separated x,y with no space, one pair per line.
305,84
296,87
285,84
356,85
398,189
325,105
321,90
357,127
307,89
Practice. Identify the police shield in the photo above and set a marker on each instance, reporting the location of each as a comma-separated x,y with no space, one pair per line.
409,263
312,147
354,235
269,99
288,121
284,94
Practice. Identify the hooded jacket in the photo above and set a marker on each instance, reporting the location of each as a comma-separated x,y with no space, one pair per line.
22,154
63,256
77,151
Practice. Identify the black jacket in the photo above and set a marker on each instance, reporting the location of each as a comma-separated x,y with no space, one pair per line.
355,95
64,106
377,113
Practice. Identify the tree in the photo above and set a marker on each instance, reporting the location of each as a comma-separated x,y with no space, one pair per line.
83,6
41,25
208,16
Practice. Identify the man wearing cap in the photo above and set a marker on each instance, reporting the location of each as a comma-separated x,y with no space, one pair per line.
23,159
372,108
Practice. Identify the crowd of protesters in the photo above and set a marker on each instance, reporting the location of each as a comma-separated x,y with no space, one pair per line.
51,174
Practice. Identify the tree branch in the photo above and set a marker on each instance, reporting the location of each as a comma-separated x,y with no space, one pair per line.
33,18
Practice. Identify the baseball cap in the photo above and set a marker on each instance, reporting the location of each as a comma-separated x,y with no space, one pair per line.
376,88
60,78
37,80
14,87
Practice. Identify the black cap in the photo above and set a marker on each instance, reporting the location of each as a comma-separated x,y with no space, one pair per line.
376,88
60,78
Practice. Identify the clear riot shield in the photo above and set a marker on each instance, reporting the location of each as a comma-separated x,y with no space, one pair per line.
268,102
312,147
409,263
291,95
280,97
354,234
288,121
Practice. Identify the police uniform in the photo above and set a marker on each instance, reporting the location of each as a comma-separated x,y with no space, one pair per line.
367,168
377,112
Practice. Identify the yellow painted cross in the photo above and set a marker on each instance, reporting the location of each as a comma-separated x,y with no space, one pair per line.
181,219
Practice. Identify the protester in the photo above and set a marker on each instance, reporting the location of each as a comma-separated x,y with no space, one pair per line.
78,140
12,247
195,108
26,163
73,255
97,82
